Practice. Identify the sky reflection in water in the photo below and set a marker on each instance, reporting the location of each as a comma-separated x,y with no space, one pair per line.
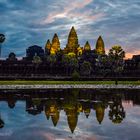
20,123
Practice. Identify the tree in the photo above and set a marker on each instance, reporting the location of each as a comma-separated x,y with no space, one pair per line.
37,61
85,68
12,57
59,56
2,39
103,65
74,64
116,55
116,112
70,62
75,75
51,59
66,62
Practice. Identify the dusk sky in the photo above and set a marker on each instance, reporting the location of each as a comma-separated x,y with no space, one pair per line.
30,22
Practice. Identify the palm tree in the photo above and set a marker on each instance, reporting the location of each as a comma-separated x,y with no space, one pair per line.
116,112
2,39
116,55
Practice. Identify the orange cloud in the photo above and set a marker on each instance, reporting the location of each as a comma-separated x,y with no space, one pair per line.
130,55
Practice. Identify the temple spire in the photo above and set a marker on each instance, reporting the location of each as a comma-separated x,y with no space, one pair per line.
55,44
48,46
100,48
87,46
72,43
100,109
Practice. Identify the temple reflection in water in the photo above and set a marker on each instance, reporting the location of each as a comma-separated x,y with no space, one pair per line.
72,102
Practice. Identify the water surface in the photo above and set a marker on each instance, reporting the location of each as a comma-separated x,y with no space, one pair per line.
69,114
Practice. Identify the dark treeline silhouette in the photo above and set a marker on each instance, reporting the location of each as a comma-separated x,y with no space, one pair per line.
74,61
73,102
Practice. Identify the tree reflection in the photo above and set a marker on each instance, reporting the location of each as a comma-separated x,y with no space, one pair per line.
116,112
11,101
33,106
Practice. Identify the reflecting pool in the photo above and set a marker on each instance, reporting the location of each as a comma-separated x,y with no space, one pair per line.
76,114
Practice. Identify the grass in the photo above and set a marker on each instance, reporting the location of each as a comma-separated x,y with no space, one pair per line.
22,82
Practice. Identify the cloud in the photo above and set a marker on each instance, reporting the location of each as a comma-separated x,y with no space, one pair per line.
33,22
70,10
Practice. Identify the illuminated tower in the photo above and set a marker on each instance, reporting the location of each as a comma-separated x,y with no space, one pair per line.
100,110
47,112
55,47
72,117
48,46
100,48
72,43
87,46
55,117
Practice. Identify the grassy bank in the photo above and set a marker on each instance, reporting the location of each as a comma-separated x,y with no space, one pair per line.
17,82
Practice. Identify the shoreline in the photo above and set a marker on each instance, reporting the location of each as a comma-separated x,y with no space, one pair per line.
66,86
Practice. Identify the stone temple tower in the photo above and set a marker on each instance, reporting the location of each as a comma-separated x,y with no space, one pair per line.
72,43
87,46
55,44
48,46
100,47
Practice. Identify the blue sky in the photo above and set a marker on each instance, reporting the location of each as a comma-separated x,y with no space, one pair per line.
29,22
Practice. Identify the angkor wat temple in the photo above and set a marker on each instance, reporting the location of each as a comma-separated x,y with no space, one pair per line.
56,63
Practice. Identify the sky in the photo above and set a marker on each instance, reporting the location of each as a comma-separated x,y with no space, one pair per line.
33,22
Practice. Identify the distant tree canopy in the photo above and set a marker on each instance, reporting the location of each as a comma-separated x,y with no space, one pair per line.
12,57
36,60
85,68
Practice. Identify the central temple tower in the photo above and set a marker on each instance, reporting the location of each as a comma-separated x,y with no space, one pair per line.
72,43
